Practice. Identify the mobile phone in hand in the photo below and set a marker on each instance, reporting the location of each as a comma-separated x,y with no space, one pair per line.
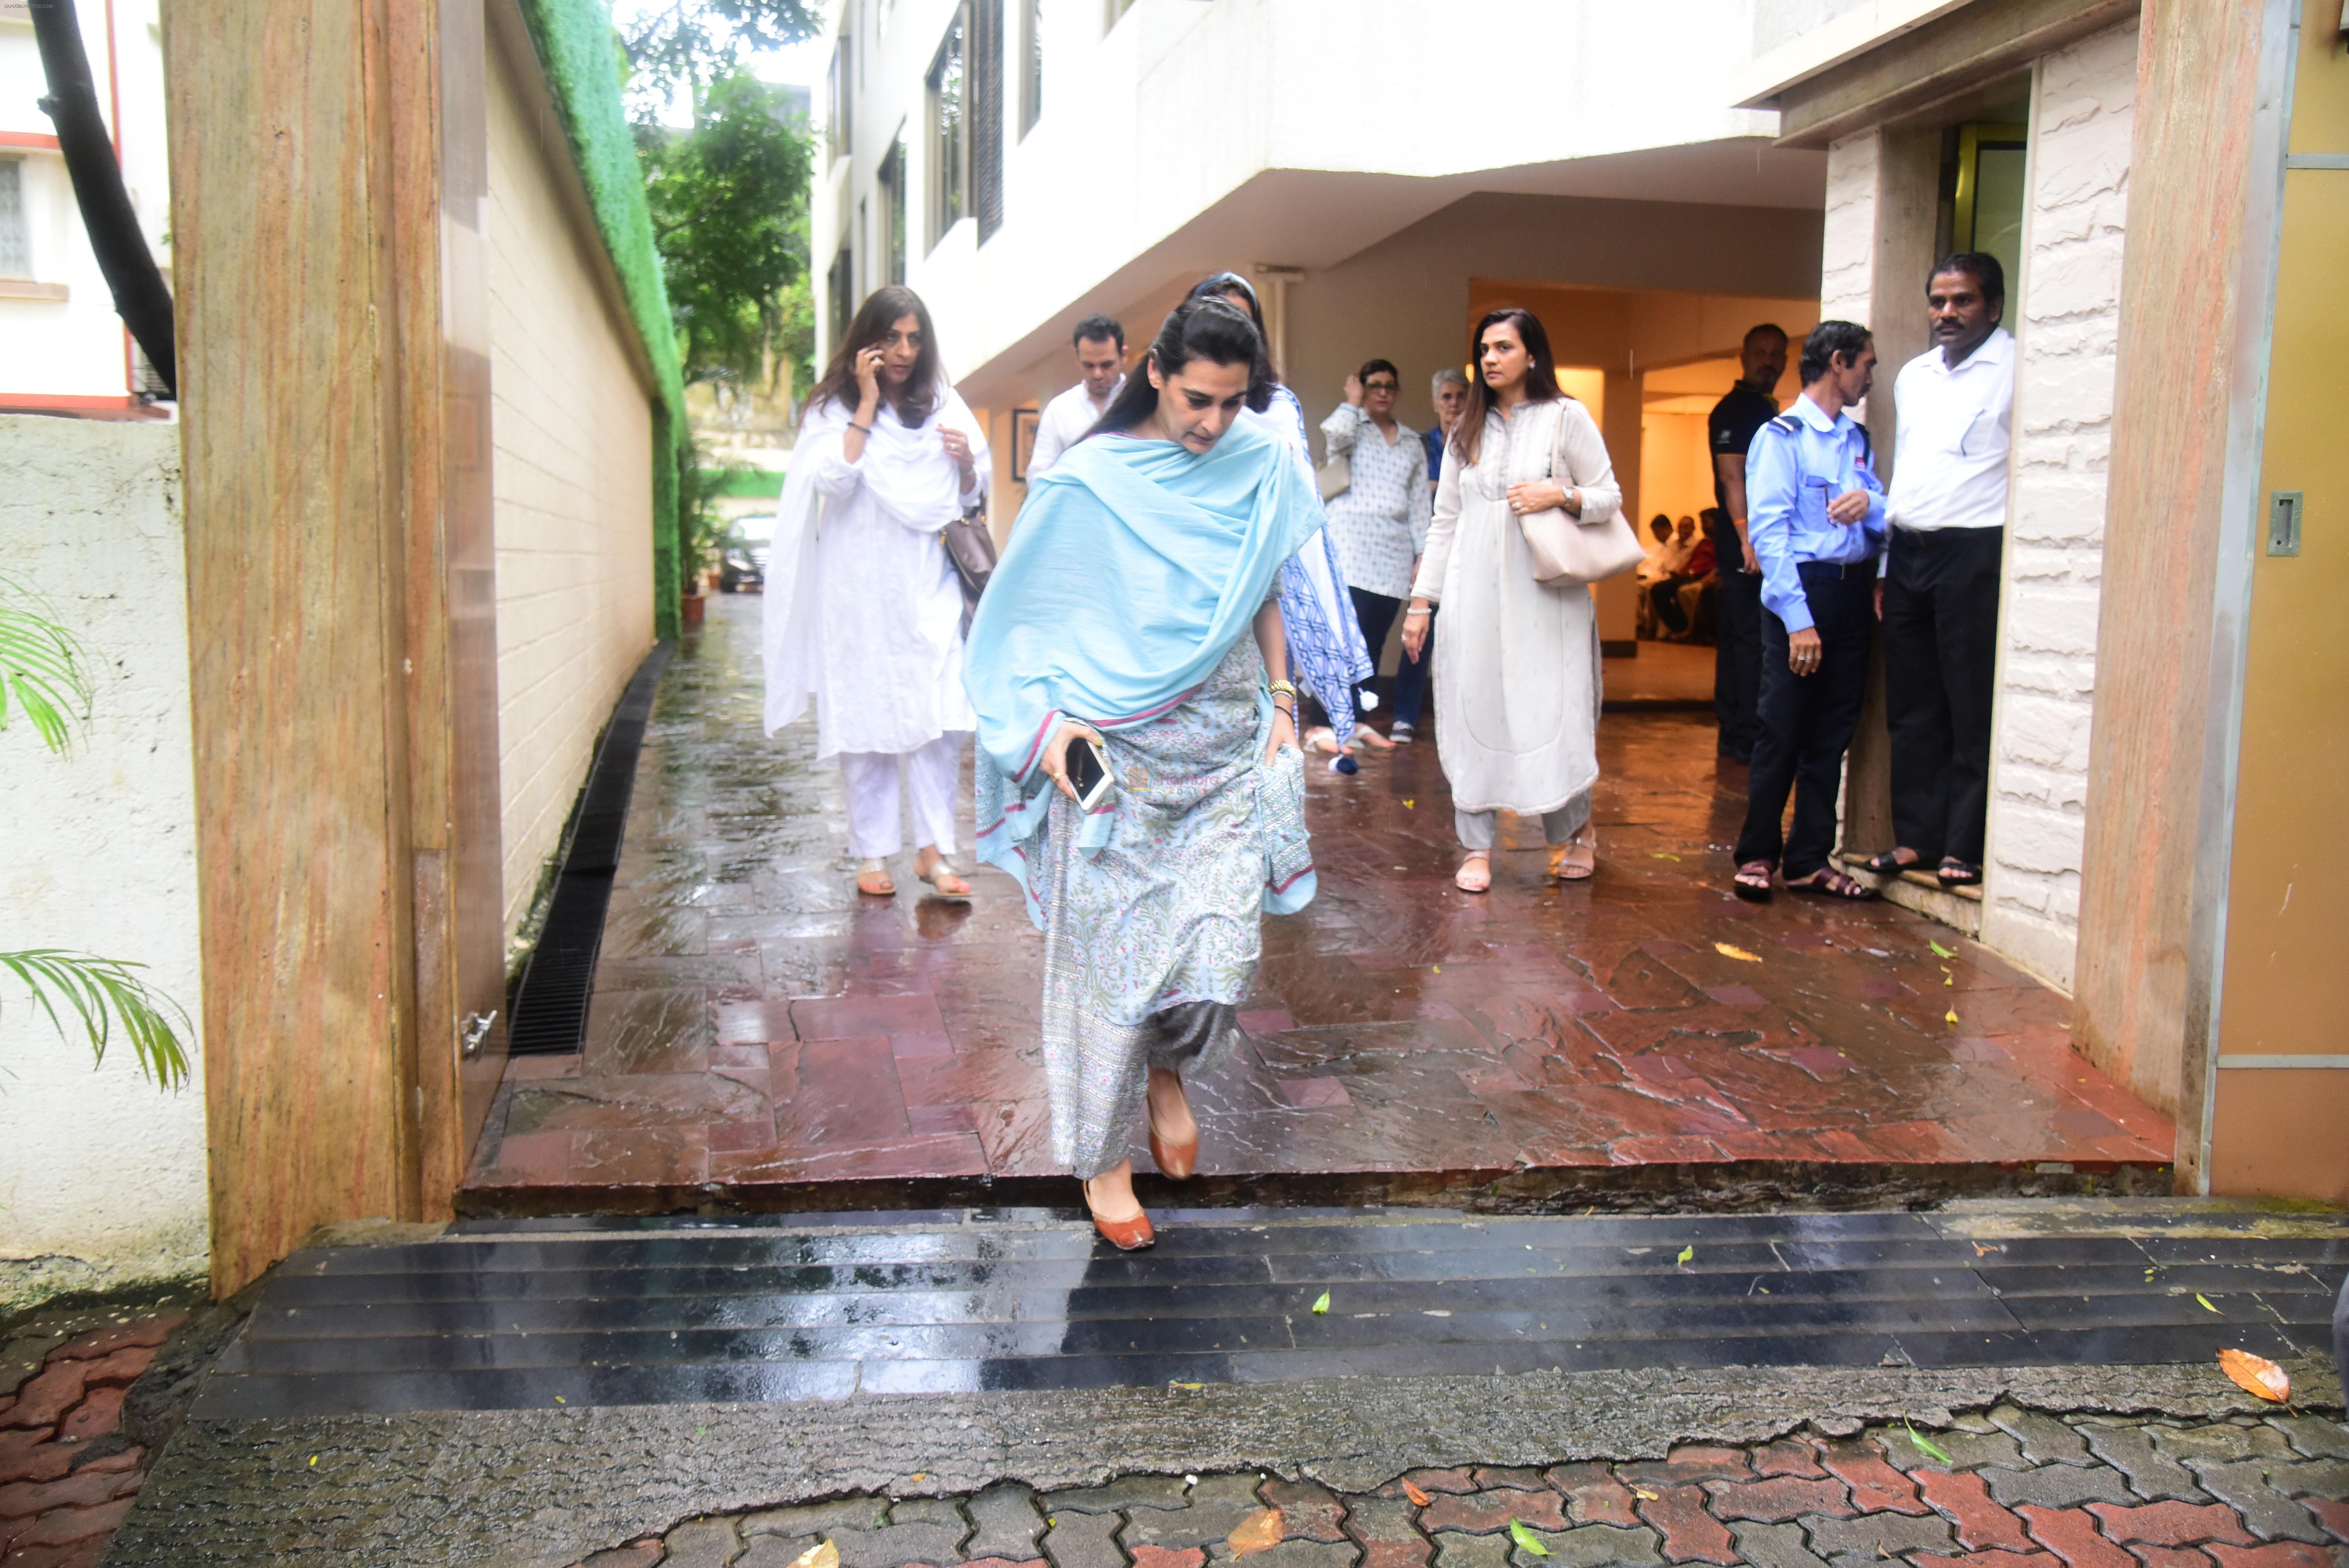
1087,772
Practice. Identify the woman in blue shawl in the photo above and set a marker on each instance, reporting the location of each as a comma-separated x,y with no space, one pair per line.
1137,606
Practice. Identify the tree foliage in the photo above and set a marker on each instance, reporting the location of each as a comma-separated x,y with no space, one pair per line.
728,201
696,44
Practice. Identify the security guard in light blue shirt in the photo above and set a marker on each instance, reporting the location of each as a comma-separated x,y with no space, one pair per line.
1816,515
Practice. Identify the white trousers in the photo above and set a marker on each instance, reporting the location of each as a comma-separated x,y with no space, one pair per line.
1476,828
875,827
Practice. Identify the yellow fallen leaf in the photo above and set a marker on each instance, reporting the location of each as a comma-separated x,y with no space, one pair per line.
1414,1494
2257,1374
1660,855
1259,1531
1737,953
561,1400
2206,1302
1952,1015
1322,1304
822,1554
1408,805
1644,1492
313,1459
1194,1387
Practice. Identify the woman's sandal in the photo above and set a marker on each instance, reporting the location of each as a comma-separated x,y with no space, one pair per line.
1890,865
1955,873
1478,880
1577,859
1829,883
1127,1235
1174,1161
1752,882
1372,738
946,882
873,879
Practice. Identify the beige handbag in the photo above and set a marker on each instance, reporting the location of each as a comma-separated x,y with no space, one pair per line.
1569,552
1335,477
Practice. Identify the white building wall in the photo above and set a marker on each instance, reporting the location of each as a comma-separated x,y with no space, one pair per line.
2070,322
61,344
571,429
101,1173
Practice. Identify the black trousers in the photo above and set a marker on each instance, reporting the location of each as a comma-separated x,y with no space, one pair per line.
1806,722
1376,612
1940,656
1737,663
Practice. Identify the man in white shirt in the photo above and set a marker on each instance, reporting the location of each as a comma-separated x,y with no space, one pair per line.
1101,362
1937,593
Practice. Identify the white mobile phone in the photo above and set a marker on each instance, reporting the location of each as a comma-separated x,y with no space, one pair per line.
1088,773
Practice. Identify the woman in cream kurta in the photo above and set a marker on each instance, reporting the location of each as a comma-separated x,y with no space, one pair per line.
1517,686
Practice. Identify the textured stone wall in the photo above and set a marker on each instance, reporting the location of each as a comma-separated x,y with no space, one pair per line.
101,1173
2068,330
571,426
1848,240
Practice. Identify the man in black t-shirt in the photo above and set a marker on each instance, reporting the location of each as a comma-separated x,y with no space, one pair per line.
1737,648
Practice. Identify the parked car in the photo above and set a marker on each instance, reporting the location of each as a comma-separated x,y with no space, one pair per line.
742,560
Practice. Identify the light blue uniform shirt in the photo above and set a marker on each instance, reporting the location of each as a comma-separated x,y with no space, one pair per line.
1798,462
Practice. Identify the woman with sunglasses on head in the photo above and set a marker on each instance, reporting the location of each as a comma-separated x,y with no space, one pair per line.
1325,638
863,613
1517,688
1133,622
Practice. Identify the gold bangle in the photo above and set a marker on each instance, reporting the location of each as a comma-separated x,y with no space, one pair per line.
1283,688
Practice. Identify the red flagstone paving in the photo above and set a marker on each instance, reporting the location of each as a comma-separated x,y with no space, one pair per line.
64,1489
757,1025
1467,1519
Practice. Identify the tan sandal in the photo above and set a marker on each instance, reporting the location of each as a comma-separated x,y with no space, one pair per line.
1577,857
945,880
1478,880
873,879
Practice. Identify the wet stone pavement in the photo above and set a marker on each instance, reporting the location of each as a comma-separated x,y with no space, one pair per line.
761,1037
2008,1487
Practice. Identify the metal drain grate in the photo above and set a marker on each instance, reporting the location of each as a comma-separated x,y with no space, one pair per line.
550,1009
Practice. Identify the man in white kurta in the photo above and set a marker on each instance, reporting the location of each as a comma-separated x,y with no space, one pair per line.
1101,371
863,615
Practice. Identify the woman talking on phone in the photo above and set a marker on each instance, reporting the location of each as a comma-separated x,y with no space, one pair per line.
865,612
1137,769
1516,691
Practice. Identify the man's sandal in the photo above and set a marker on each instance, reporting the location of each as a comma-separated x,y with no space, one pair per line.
1475,874
873,879
1890,865
1752,882
1955,873
1833,884
945,880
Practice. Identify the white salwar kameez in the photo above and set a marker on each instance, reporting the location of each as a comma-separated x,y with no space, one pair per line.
1516,687
863,615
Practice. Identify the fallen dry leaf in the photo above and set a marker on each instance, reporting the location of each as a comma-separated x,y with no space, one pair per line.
1737,953
822,1554
1417,1496
1953,1015
1644,1492
2257,1374
1259,1531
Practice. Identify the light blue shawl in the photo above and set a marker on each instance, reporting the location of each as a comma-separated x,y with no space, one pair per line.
1134,569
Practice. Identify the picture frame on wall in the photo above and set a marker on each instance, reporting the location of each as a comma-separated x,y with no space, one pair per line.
1023,441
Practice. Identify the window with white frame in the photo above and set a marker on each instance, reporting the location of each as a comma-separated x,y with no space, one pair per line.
950,129
839,98
1032,64
15,234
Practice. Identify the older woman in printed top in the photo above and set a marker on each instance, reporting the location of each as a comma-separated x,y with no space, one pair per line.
1379,521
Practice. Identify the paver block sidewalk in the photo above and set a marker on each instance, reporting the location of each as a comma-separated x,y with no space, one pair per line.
1698,1504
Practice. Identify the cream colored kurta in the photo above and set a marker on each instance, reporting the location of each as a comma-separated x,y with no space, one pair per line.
1517,671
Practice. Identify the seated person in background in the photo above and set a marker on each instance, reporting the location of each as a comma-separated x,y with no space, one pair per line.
1653,570
1679,557
1699,589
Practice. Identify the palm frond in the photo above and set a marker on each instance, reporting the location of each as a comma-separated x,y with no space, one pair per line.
43,667
104,994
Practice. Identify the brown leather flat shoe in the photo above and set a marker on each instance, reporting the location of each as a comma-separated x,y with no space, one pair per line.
1127,1235
1176,1160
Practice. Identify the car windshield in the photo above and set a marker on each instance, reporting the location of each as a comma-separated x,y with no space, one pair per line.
754,529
